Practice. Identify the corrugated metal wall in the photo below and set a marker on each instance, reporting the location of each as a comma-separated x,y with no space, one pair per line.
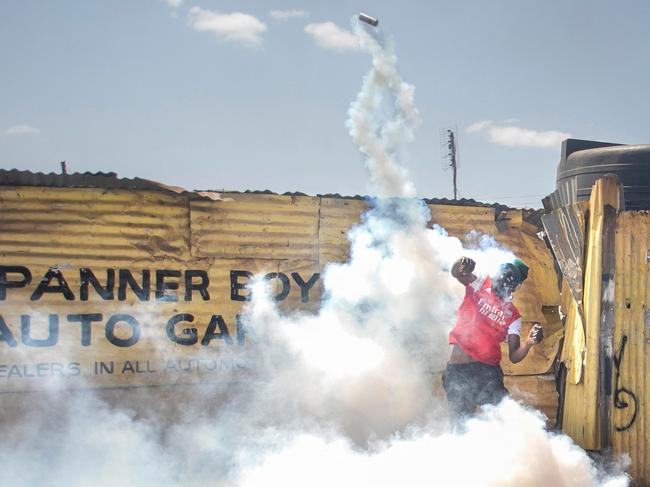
51,226
630,421
71,228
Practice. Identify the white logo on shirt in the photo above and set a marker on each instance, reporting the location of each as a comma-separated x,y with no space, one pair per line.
494,313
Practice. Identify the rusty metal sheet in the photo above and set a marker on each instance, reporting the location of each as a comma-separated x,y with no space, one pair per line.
565,229
256,226
337,217
60,226
140,242
458,221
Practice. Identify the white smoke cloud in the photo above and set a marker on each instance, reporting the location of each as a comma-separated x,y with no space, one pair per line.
328,35
513,136
236,27
508,436
294,13
22,129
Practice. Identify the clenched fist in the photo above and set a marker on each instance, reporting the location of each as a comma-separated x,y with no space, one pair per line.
466,265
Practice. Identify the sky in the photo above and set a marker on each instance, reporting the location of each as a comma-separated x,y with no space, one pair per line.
253,95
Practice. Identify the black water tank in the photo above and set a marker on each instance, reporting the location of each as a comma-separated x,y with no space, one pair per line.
581,166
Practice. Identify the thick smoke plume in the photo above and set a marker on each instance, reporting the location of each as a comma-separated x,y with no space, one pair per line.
340,397
383,117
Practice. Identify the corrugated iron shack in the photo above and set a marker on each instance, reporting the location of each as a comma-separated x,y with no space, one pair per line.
92,262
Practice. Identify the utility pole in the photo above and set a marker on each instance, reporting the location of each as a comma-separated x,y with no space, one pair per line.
449,146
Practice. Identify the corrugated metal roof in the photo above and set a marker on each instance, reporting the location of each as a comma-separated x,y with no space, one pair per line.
431,201
109,180
104,180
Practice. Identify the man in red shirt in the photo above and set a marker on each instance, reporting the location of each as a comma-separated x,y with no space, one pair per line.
486,318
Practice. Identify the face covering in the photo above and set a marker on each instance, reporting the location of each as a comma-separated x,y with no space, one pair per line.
506,281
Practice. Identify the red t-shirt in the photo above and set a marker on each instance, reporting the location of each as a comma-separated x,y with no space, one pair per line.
482,324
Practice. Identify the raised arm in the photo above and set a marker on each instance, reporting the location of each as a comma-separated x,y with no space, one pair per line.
462,270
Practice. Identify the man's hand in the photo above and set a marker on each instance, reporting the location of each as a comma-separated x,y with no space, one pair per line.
462,270
535,335
466,266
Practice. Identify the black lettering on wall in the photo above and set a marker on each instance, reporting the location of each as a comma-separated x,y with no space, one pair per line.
216,322
126,278
191,338
236,286
52,336
6,335
305,286
162,286
102,367
85,320
201,287
122,342
86,276
284,281
45,287
623,397
6,283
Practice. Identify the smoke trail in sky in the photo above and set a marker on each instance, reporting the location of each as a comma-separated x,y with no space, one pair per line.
342,396
383,117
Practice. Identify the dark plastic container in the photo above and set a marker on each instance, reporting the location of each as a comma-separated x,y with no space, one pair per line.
580,168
